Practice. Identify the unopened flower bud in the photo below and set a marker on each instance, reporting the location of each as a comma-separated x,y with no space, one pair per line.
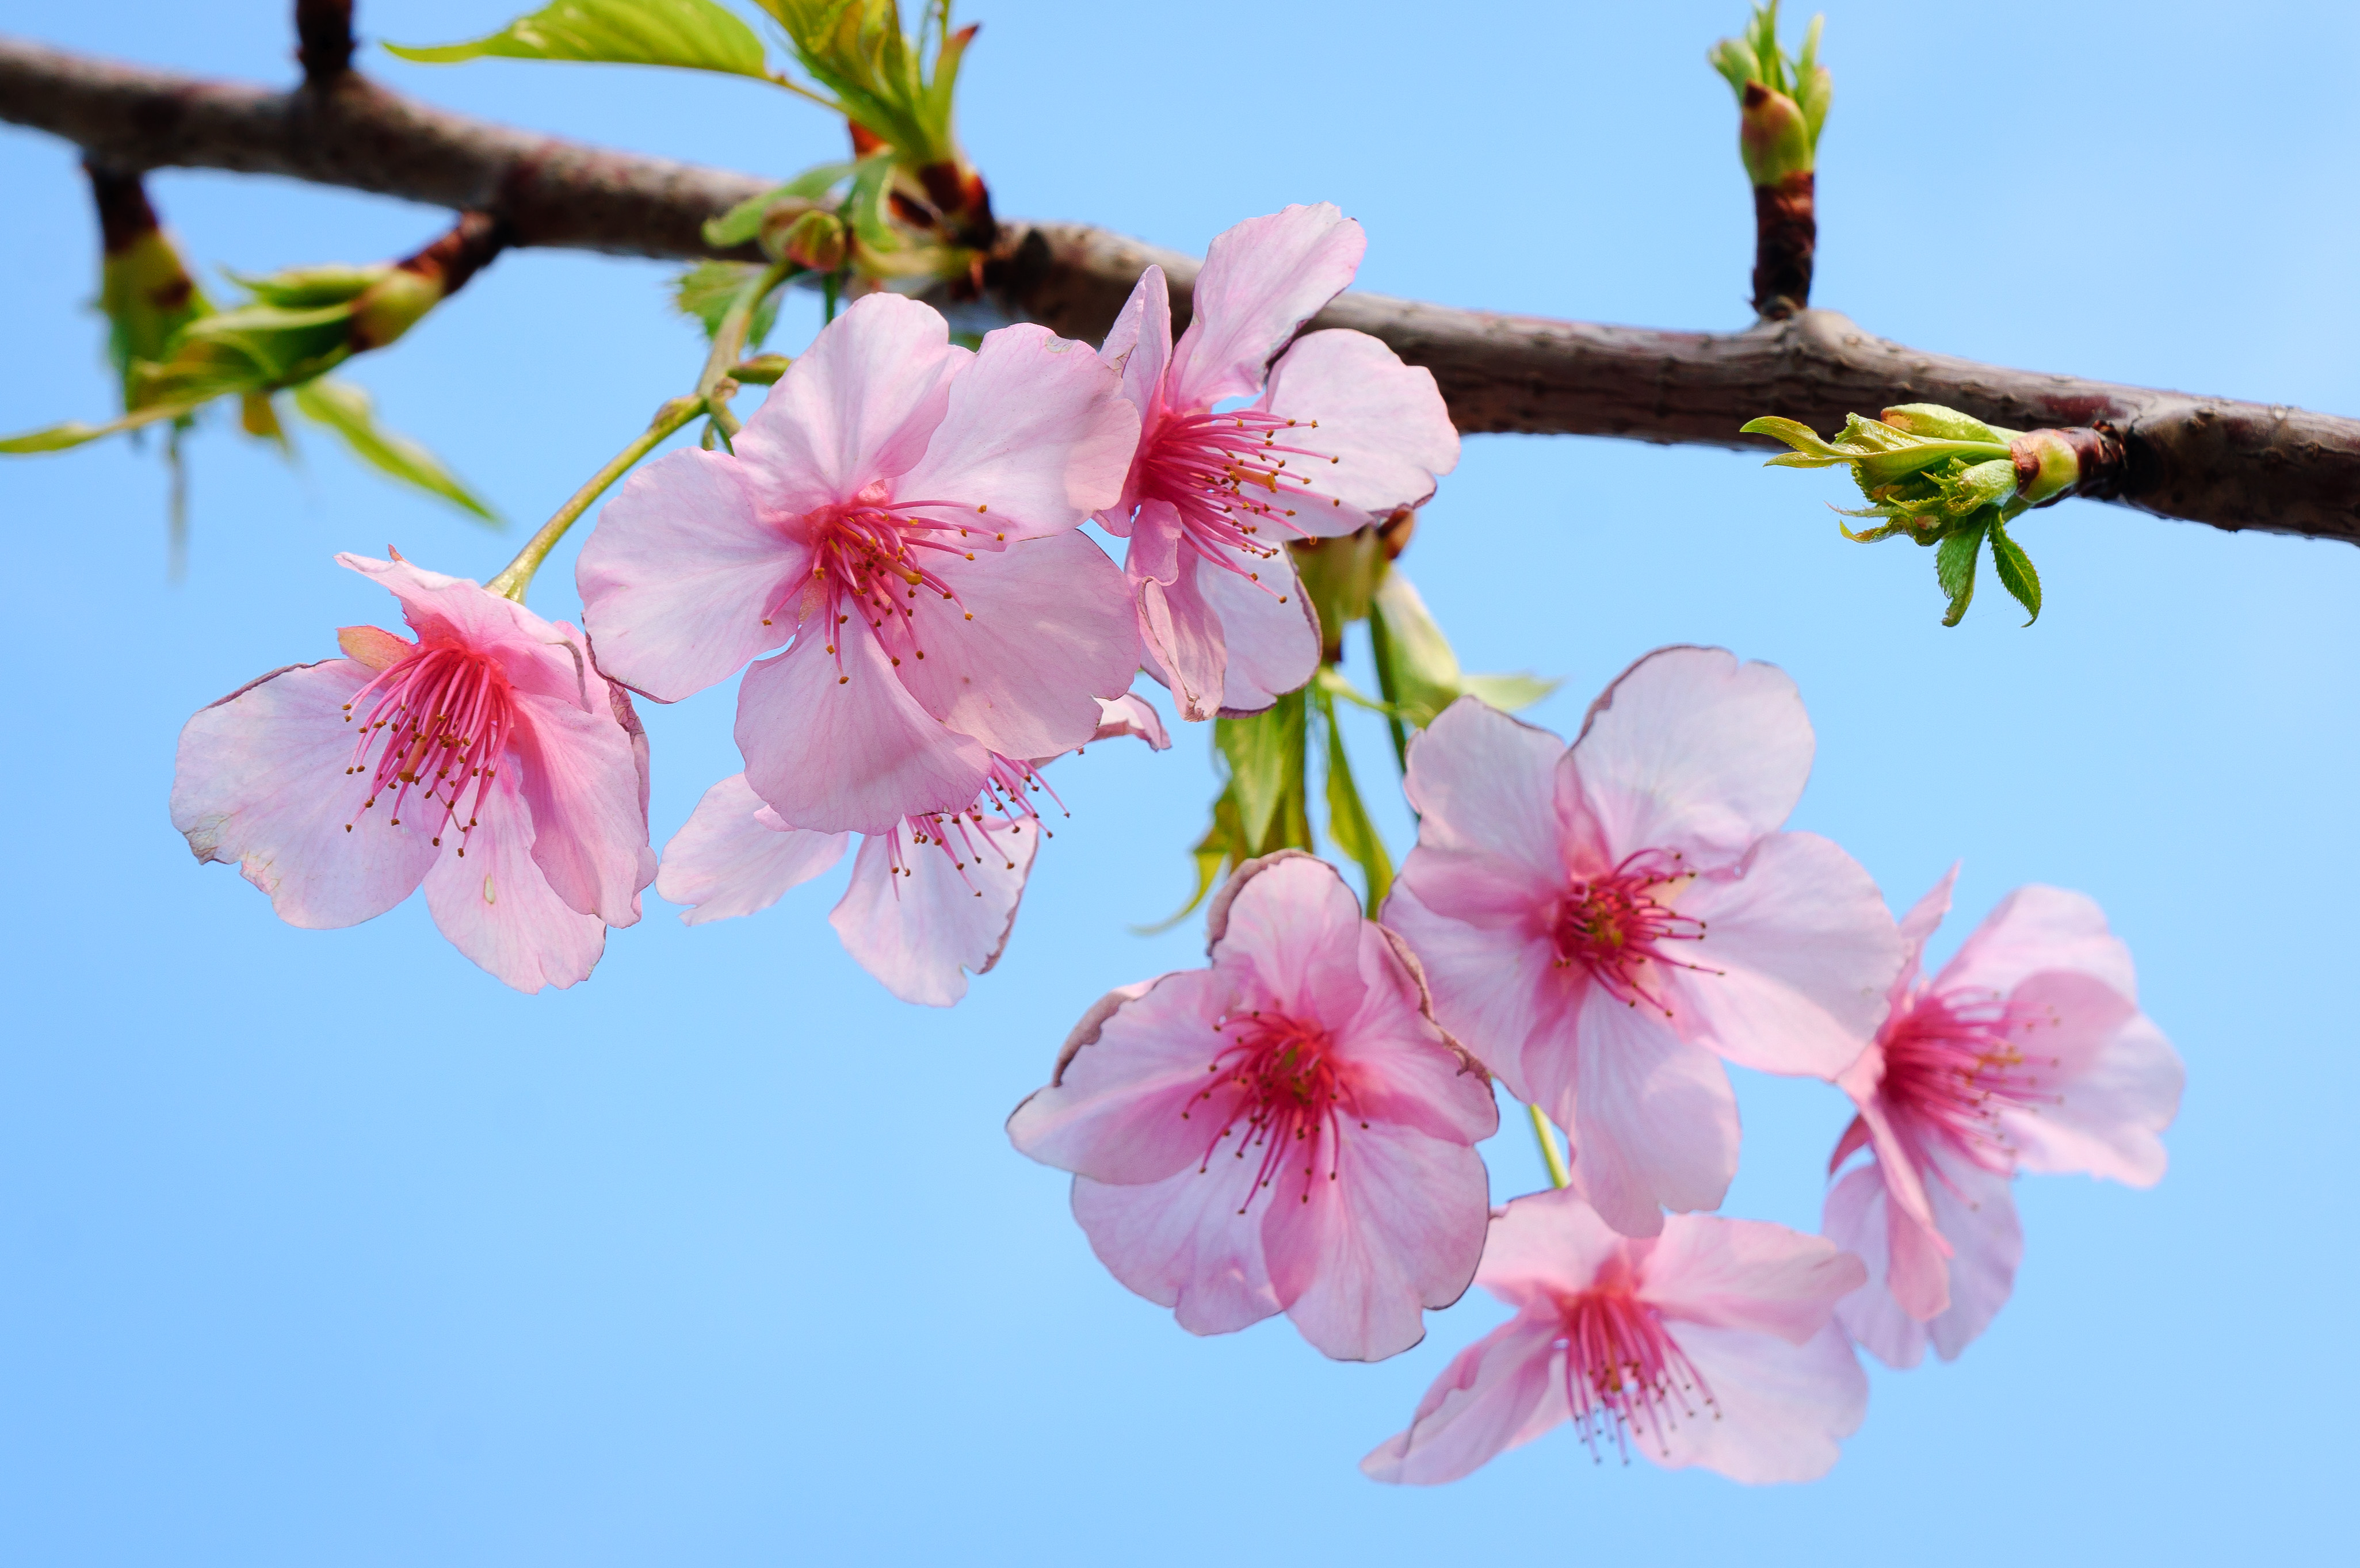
811,239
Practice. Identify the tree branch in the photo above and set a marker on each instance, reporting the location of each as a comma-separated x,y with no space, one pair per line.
2232,464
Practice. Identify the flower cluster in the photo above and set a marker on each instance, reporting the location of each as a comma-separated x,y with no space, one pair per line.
890,552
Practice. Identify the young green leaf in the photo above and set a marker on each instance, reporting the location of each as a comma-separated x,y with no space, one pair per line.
1265,752
743,222
345,408
1954,569
1218,847
1509,693
2014,569
1347,818
694,34
74,432
704,291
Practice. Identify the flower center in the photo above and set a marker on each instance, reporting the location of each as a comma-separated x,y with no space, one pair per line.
1614,926
1228,477
436,724
1275,1091
1000,811
1623,1374
873,561
1953,1064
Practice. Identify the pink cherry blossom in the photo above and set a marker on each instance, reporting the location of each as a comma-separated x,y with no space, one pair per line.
1602,924
904,511
1340,433
2026,1052
486,759
1286,1130
930,901
1711,1344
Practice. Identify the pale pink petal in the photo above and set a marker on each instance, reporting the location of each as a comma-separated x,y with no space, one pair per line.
1131,714
1402,1068
841,745
1051,632
2034,928
1916,1255
1139,344
1653,1119
580,773
2106,1116
1796,957
727,861
443,608
1857,1217
1495,990
1291,924
1381,425
1546,1244
1366,1231
1181,635
951,909
684,578
1976,1210
1483,1404
1893,1155
1777,1410
1692,752
1036,437
1270,632
1747,1274
856,407
1262,280
497,907
1918,927
263,781
1183,1244
1117,1110
1483,782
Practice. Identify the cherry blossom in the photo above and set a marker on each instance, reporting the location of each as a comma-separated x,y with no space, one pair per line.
1711,1344
2026,1052
902,510
1603,923
486,759
1340,433
930,901
1285,1130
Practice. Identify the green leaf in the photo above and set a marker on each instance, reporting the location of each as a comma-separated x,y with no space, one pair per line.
1265,752
1216,848
1954,569
345,408
1347,820
309,288
1416,667
1937,423
2014,569
694,34
1508,692
704,293
743,222
74,432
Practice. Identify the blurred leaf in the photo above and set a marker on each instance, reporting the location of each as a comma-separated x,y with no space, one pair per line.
1509,693
309,287
694,34
1265,756
1347,820
2014,569
1954,569
345,408
147,295
743,222
706,291
1419,672
73,432
1216,848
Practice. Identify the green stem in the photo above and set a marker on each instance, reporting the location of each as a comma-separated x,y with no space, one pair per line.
729,342
1381,648
1559,1175
517,575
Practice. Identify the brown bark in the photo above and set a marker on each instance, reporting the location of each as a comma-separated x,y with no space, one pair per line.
1786,233
323,40
2232,464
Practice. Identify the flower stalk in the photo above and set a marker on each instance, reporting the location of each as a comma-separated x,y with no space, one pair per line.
1559,1176
515,577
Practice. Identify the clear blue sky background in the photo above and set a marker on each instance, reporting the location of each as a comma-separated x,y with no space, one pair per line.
324,1247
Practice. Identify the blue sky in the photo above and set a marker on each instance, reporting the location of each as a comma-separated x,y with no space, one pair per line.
323,1246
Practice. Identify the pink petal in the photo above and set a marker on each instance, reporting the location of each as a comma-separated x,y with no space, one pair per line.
1778,1408
1386,1220
1917,1255
1182,1244
1181,635
1748,1274
856,407
1652,1120
1140,346
1894,1155
727,861
497,907
443,608
1131,714
2034,928
580,773
1381,424
843,747
1403,1067
1270,632
1976,1210
1691,752
916,932
2124,1092
683,580
263,781
1494,988
1798,955
1289,925
1117,1112
1036,437
1053,632
1545,1244
1918,927
1484,1403
1262,280
1857,1217
1485,783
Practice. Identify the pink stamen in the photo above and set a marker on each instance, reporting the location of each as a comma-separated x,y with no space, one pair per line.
1614,925
1276,1077
441,720
1954,1063
1209,467
1623,1373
